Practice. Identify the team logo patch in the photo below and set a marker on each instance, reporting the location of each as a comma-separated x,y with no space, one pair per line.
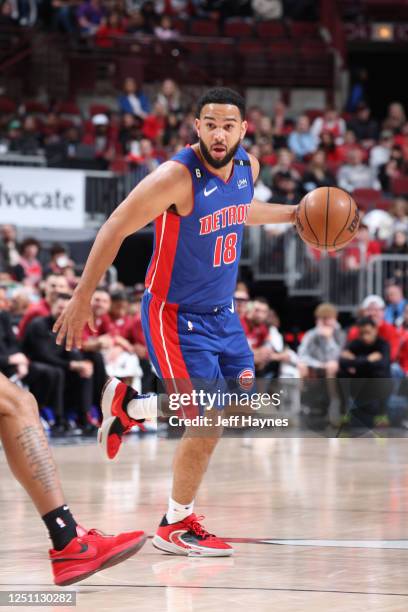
246,379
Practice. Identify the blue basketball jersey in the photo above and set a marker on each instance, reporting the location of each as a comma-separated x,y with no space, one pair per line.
195,258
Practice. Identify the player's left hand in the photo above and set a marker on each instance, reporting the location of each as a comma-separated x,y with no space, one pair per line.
70,324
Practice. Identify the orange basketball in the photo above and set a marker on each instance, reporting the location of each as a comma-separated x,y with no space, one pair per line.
327,218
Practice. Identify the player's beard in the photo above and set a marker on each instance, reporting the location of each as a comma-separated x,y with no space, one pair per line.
218,163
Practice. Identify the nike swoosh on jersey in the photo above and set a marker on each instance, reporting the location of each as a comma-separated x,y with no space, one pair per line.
208,193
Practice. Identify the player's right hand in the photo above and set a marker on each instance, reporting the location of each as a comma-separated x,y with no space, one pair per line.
70,324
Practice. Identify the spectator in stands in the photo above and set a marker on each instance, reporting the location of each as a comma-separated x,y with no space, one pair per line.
19,304
402,140
321,346
380,224
133,100
381,152
54,285
285,189
318,357
59,260
361,249
399,211
399,244
257,333
63,17
40,378
90,15
364,127
146,156
330,122
121,359
14,136
7,17
165,30
131,134
241,301
280,124
169,97
317,173
350,143
284,164
328,145
111,27
267,9
301,141
178,8
30,141
355,174
29,269
150,16
396,304
394,168
395,118
9,255
373,306
75,372
367,356
102,139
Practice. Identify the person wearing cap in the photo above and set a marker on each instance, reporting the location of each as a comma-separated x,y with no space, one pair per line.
102,139
373,306
364,126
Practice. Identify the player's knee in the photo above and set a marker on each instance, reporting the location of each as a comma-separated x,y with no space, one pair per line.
19,404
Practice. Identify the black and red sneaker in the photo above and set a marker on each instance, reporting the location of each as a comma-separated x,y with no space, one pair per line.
115,420
189,537
92,551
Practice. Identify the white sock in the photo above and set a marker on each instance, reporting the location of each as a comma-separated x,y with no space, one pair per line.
177,512
144,407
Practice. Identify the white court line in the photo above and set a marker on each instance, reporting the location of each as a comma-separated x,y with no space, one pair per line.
393,544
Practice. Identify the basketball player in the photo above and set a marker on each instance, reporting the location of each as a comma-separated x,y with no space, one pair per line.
76,553
200,201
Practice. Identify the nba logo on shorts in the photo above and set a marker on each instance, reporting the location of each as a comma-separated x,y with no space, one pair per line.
246,379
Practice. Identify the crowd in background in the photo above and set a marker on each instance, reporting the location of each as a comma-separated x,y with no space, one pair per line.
102,19
373,352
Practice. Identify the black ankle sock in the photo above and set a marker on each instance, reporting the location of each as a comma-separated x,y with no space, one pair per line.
61,526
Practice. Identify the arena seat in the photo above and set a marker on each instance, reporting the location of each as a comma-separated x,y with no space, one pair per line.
34,107
399,186
238,28
367,198
204,27
7,105
270,29
307,29
97,109
67,108
384,204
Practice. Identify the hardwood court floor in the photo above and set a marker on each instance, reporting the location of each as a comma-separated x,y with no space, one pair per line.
339,508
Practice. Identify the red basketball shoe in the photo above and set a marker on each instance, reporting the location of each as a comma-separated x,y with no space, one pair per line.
188,537
115,421
92,551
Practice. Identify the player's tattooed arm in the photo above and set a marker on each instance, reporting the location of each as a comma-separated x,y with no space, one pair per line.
33,445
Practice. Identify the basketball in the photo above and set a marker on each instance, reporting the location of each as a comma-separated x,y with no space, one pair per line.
327,218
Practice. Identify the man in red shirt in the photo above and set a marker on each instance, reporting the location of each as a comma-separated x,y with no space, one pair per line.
257,332
54,284
373,306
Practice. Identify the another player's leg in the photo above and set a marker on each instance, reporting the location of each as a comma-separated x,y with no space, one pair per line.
76,553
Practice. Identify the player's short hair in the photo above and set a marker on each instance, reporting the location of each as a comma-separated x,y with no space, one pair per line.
222,95
325,311
363,321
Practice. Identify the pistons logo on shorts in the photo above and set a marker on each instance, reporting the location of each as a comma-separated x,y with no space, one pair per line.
246,379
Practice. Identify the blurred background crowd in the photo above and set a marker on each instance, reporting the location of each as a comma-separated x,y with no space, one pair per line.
359,144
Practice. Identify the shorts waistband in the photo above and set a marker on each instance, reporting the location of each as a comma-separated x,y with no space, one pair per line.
197,309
